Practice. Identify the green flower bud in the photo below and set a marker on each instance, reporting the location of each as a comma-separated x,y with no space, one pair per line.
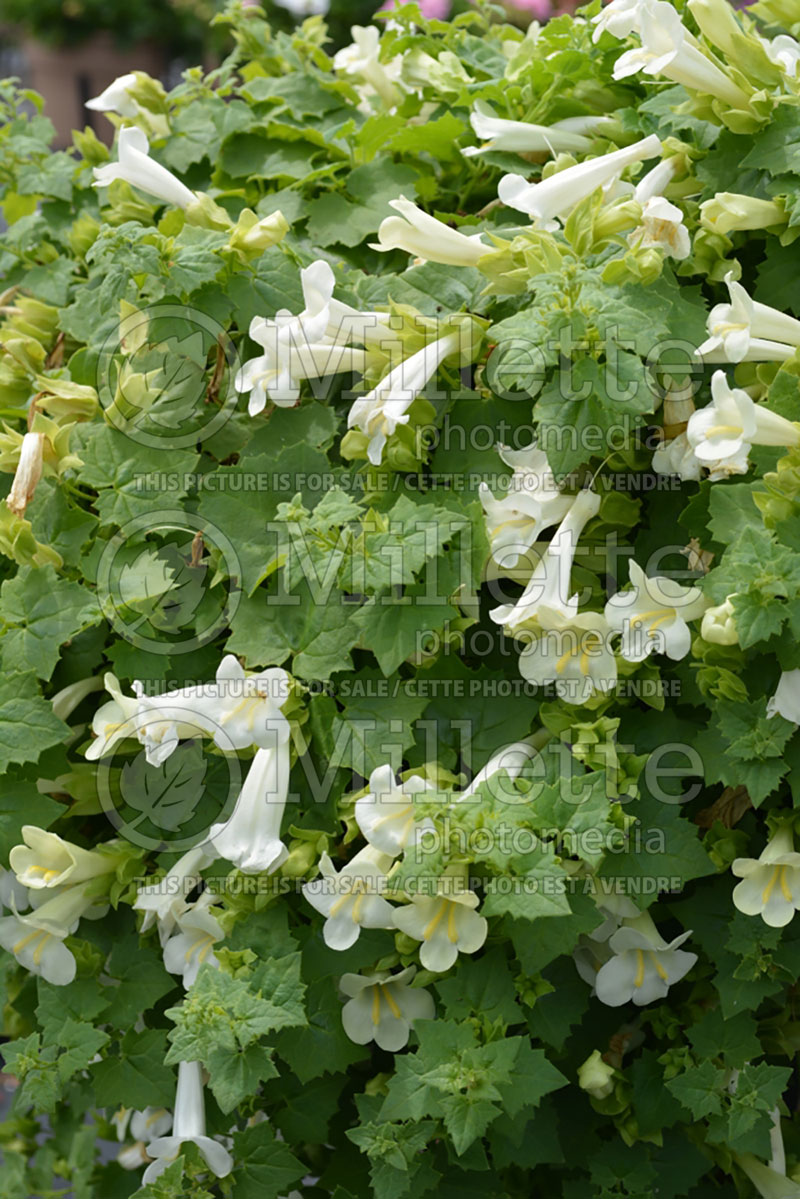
203,213
595,1076
252,235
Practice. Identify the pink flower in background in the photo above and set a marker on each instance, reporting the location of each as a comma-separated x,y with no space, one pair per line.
541,9
435,10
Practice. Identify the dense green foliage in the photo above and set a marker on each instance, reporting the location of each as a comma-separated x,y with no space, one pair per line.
172,526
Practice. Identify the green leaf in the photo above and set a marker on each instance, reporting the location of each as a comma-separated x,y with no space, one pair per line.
27,723
235,1075
135,1074
700,1089
268,1166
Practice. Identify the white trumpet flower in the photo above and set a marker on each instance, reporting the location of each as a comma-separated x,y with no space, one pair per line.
380,412
193,944
732,423
653,616
116,97
37,938
251,837
644,965
662,227
567,136
770,886
189,1124
667,49
676,457
361,58
382,1008
446,923
573,653
426,238
386,814
45,860
351,898
532,504
135,166
736,327
549,584
238,710
553,198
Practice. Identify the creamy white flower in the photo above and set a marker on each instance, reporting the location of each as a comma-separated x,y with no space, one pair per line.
163,901
382,1007
142,1125
189,1124
662,226
426,238
361,58
567,136
676,457
737,327
595,1076
667,49
238,711
732,423
549,584
351,898
46,860
531,504
251,837
770,886
135,166
386,814
653,616
378,413
193,944
112,722
662,222
620,18
310,345
571,652
28,473
786,700
644,965
36,939
116,97
719,624
447,924
556,196
784,51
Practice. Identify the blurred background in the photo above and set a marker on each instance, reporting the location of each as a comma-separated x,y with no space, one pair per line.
70,50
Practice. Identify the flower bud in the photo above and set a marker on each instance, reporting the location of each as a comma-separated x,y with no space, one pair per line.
729,212
251,236
719,624
301,859
595,1076
28,474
